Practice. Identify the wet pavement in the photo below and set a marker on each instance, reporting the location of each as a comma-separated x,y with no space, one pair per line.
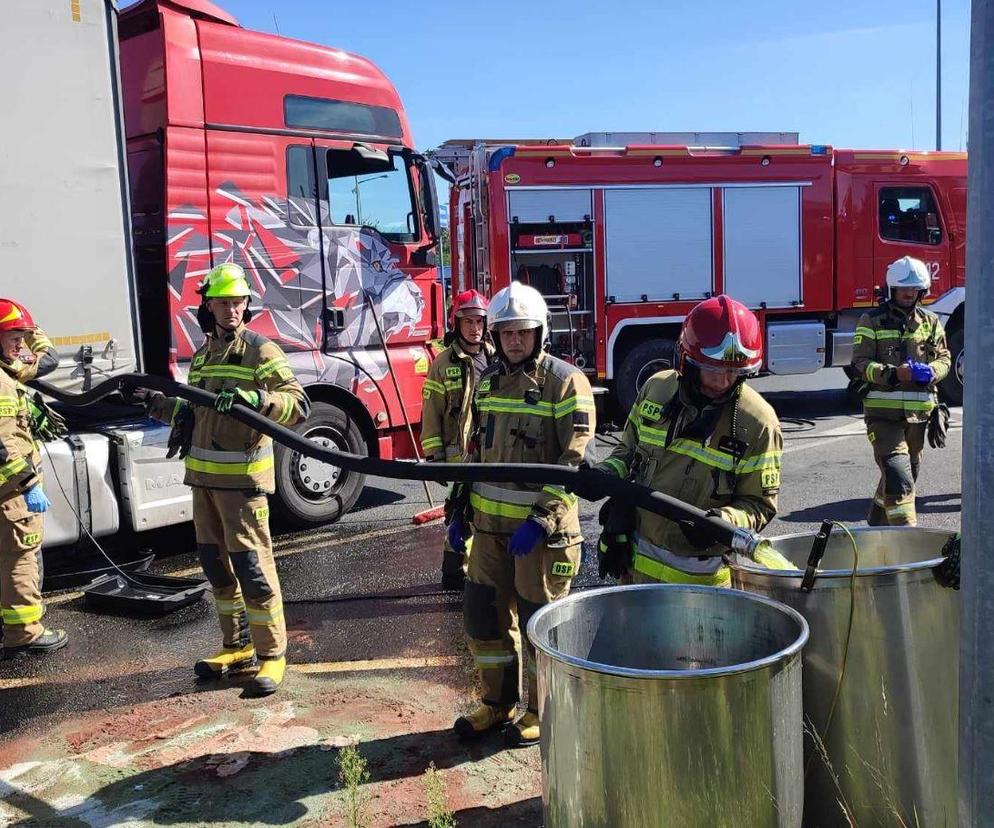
115,730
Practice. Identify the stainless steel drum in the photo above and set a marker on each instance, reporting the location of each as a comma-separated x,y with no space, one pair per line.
890,752
670,705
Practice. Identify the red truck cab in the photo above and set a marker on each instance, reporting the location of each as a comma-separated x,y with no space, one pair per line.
296,161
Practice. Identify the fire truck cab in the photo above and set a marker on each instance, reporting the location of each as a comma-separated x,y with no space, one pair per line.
624,232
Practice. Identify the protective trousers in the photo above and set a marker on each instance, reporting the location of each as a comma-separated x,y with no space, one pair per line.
20,577
236,552
897,448
501,594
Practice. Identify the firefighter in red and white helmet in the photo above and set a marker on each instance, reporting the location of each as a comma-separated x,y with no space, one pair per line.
22,498
700,434
447,410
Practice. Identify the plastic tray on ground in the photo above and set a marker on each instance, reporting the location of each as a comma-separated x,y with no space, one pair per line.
144,594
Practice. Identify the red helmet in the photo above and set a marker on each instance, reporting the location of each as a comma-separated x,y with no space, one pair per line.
721,334
14,317
468,303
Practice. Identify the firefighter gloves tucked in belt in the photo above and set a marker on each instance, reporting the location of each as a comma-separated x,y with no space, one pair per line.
229,396
938,426
525,538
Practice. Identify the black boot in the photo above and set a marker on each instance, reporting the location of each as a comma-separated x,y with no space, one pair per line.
48,642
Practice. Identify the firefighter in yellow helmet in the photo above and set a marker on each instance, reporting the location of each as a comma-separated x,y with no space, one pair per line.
531,408
703,436
447,413
230,468
22,499
900,351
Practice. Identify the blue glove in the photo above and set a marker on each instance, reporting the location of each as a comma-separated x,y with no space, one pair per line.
525,538
457,536
36,499
920,372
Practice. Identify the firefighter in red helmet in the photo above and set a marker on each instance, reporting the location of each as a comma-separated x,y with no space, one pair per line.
447,412
700,434
22,498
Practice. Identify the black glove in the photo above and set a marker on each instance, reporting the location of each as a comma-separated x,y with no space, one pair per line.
46,424
614,547
938,426
181,435
699,536
586,483
947,572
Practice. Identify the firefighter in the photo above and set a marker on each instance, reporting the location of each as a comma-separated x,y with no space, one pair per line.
703,436
447,414
900,351
531,408
22,497
230,468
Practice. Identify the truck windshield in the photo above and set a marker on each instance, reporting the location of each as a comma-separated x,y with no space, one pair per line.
372,193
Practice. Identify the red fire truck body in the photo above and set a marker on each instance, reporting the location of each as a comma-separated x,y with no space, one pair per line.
624,240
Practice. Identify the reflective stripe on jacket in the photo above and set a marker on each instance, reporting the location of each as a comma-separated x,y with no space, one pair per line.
885,338
19,458
447,411
542,412
736,474
224,453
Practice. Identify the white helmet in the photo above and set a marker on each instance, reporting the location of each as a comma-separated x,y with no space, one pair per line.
907,272
518,303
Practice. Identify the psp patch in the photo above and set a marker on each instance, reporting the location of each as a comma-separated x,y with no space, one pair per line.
651,410
566,569
771,479
454,371
261,513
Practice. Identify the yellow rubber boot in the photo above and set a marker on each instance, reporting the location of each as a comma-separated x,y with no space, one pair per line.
229,660
485,717
270,676
525,731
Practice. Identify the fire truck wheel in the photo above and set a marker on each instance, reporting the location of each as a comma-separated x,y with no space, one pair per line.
640,363
309,492
951,388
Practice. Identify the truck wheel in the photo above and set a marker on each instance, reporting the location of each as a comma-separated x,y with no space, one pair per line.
951,388
308,492
640,363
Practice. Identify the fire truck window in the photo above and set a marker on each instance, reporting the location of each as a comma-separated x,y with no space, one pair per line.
341,116
372,193
300,187
909,214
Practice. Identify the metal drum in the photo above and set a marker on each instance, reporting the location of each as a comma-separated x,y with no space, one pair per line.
889,756
670,705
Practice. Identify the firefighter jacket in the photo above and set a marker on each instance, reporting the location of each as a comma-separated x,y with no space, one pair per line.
45,361
19,459
541,411
724,458
885,338
224,453
447,413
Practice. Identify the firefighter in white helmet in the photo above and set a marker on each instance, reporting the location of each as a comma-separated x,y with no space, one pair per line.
531,408
230,469
447,412
900,351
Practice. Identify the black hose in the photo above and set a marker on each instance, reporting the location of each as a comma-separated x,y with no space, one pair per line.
587,483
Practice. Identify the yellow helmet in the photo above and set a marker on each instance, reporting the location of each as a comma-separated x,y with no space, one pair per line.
226,281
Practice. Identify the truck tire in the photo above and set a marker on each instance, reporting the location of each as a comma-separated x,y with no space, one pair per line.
311,493
951,388
640,363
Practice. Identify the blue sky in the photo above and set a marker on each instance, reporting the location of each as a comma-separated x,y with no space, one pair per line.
846,73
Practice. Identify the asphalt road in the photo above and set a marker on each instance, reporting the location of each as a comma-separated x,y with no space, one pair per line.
365,589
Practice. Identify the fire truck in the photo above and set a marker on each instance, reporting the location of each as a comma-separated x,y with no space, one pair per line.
164,139
624,232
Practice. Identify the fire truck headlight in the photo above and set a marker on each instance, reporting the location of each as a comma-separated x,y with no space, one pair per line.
657,161
550,162
766,161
